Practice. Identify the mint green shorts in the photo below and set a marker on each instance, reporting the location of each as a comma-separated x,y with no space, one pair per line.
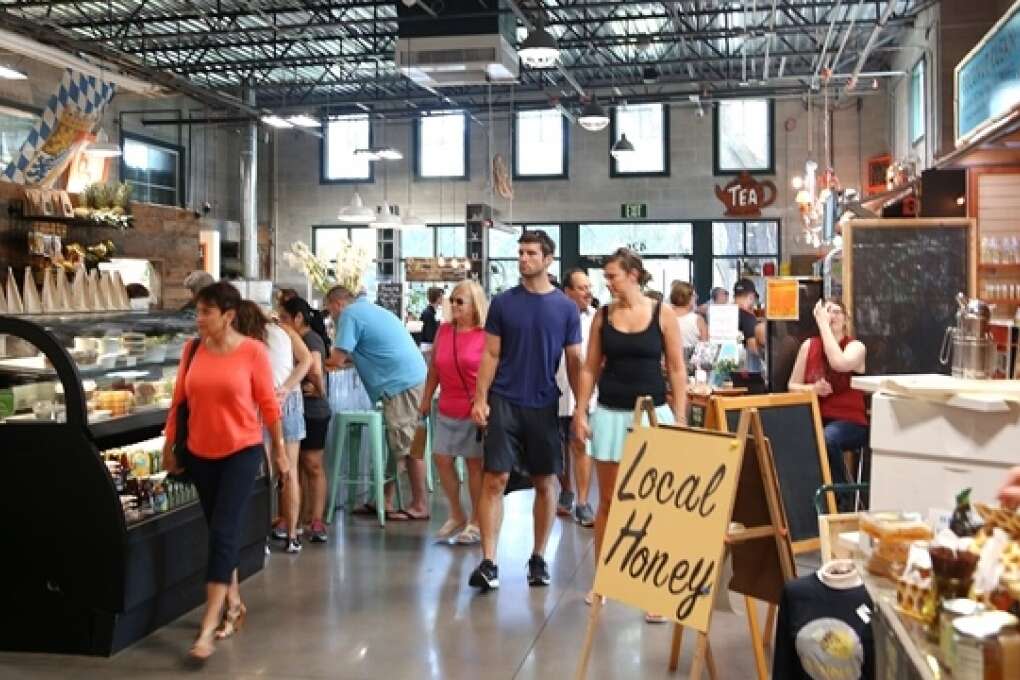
609,427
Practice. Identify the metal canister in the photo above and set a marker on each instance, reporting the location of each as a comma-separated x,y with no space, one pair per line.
978,656
951,611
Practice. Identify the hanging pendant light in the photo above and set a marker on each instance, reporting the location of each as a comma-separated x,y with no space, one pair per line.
622,147
386,217
356,211
103,147
539,49
593,117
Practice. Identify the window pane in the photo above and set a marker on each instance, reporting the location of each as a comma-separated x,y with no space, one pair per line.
917,102
416,243
726,271
450,242
553,231
441,145
743,139
152,171
503,274
644,125
14,131
343,136
539,143
646,239
502,244
728,238
762,238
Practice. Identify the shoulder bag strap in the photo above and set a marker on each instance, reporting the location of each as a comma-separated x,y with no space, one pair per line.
190,356
456,363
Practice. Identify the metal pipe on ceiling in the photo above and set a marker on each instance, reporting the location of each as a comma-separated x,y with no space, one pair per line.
249,195
879,25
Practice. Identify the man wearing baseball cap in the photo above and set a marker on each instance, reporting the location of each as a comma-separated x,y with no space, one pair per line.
745,295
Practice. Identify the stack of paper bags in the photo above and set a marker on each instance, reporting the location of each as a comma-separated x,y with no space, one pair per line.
63,290
95,297
14,303
120,292
50,303
3,302
106,291
33,305
80,291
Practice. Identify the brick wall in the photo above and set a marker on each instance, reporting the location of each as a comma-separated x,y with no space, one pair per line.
165,235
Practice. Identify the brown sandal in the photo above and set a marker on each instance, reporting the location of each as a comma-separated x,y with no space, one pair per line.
233,621
203,646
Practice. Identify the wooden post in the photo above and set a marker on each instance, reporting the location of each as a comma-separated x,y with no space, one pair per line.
589,637
674,650
756,644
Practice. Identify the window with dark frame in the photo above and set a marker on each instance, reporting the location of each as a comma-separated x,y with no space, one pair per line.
441,145
647,128
537,135
743,131
742,249
341,137
153,168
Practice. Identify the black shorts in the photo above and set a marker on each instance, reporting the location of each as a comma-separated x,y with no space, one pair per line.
315,434
529,436
566,429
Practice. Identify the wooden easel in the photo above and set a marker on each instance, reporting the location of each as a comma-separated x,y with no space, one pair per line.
760,510
758,492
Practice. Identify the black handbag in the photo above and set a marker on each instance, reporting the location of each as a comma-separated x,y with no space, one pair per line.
181,452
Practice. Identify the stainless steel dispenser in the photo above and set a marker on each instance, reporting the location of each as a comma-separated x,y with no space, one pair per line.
970,343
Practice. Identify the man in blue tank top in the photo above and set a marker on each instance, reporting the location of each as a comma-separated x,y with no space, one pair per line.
516,400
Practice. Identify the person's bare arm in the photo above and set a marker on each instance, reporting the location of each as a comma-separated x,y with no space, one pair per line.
588,377
675,367
486,374
431,380
302,362
702,329
337,359
572,355
842,360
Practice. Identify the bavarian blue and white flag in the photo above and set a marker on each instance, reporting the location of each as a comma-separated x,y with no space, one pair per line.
72,112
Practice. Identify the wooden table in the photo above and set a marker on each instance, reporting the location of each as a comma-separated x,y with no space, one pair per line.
698,412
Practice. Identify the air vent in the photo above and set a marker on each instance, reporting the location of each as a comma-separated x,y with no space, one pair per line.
455,61
455,56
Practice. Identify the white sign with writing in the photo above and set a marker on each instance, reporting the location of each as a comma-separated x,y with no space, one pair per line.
723,323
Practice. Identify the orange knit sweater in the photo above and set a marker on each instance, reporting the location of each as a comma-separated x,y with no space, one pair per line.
225,393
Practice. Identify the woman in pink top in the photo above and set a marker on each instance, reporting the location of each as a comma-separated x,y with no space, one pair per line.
227,381
453,367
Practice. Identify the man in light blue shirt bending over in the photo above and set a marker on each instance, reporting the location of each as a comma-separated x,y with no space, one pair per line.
392,368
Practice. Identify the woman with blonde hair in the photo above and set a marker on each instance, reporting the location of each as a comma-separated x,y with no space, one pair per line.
453,367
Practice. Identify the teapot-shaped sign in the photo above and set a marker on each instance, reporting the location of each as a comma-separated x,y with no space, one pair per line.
746,196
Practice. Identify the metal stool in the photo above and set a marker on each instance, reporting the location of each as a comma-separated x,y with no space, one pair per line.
343,441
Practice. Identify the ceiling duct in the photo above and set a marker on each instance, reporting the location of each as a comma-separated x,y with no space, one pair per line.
465,44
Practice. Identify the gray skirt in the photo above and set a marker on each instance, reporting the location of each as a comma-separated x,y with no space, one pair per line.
456,437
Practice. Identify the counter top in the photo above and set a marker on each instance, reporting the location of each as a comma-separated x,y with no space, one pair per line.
988,396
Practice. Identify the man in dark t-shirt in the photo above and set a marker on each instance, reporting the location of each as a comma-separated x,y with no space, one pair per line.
430,318
745,295
516,402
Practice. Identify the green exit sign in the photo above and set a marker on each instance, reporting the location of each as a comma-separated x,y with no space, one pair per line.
631,211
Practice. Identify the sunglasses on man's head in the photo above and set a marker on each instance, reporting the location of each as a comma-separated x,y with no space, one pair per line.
458,301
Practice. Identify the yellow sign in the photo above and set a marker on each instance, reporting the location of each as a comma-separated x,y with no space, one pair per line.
664,541
782,299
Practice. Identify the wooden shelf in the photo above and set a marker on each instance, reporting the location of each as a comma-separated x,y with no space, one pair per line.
1002,301
999,267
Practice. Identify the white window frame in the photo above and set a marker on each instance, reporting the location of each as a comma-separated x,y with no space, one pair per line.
718,134
557,126
340,165
422,170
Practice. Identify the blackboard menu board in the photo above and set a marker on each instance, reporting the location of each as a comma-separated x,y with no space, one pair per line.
793,433
901,280
390,295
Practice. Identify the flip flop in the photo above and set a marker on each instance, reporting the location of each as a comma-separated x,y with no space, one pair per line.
365,509
418,518
449,529
398,516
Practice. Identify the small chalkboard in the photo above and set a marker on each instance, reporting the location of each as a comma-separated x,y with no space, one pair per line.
793,427
900,283
390,295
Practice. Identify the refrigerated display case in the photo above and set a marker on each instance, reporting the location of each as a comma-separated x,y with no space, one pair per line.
102,547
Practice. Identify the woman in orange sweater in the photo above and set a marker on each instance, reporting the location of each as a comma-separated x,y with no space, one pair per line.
227,385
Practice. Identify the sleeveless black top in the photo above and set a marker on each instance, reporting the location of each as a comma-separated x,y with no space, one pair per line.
633,366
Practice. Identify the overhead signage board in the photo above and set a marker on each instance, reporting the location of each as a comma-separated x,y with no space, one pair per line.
988,79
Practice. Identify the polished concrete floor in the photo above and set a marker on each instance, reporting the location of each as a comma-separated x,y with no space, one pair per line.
392,604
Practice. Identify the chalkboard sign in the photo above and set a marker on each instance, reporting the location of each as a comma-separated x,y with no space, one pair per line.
390,296
793,427
901,280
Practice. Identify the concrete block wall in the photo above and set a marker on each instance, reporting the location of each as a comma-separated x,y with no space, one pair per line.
589,193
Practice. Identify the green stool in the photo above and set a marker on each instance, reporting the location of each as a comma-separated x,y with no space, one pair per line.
349,427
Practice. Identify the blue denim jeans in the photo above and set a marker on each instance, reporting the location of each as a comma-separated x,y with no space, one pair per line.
840,436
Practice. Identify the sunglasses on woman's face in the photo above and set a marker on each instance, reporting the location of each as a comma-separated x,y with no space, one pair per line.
458,301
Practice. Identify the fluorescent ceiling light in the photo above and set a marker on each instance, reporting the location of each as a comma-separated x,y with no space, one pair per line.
304,120
276,122
370,154
593,117
389,154
11,73
539,49
622,147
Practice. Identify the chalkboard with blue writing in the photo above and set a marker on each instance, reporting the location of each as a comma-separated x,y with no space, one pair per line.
900,282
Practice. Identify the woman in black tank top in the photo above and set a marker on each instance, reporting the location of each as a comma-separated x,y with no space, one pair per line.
629,339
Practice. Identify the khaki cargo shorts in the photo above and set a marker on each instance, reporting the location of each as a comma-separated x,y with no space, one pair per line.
401,413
